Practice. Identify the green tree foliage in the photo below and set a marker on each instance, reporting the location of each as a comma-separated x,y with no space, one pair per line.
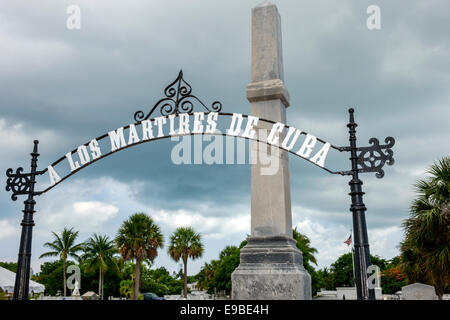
51,276
392,277
425,250
139,238
229,259
217,273
63,246
342,270
3,295
379,262
99,256
304,245
160,282
111,280
11,266
341,274
206,275
325,279
185,243
126,288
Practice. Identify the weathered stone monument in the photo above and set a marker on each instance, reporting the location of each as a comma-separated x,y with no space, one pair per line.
271,266
418,291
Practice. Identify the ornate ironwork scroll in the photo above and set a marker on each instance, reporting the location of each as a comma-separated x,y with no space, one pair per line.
179,99
19,183
371,158
374,157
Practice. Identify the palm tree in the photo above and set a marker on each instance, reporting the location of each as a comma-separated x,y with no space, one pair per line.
304,245
99,254
185,243
425,251
63,246
139,238
206,274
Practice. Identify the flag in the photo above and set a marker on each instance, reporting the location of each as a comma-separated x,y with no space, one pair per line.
348,241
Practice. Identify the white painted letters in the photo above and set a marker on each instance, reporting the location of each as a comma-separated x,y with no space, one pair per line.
117,139
307,147
54,177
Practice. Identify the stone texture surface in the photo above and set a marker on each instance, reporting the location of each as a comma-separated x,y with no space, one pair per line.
270,194
271,269
268,90
418,291
267,50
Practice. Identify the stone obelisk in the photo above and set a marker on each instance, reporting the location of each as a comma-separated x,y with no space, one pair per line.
271,266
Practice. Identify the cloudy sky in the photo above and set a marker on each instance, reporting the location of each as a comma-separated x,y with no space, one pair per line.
65,87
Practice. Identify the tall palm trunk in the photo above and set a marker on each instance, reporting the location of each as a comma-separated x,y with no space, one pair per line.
100,283
137,280
185,277
103,284
64,276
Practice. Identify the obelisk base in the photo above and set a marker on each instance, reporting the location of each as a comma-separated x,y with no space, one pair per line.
271,268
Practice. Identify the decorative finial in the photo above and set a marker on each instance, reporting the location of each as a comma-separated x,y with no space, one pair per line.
178,100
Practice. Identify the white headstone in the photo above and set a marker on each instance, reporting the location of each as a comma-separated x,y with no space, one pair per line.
418,291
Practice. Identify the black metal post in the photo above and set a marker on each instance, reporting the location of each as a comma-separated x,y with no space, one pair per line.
361,241
21,286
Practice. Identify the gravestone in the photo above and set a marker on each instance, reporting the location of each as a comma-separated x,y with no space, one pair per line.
90,295
271,266
418,291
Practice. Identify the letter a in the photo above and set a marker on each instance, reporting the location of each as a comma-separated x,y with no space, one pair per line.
320,156
374,20
54,177
74,20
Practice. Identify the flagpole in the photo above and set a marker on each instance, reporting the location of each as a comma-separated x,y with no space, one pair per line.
353,259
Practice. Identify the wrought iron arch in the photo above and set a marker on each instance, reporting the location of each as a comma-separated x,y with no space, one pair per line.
179,99
169,136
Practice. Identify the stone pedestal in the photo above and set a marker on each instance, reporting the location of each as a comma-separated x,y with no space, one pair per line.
271,266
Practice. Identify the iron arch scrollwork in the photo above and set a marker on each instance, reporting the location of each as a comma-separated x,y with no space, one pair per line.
18,183
23,183
374,157
179,99
367,159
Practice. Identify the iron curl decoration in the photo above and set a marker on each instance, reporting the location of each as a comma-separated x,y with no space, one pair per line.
18,183
374,157
179,99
